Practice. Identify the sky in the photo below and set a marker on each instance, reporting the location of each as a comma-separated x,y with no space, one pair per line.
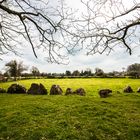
116,60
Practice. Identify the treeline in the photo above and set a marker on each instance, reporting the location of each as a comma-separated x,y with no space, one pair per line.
16,70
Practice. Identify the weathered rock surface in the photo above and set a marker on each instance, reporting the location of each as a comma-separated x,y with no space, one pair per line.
69,91
56,90
104,93
80,91
16,88
128,89
37,89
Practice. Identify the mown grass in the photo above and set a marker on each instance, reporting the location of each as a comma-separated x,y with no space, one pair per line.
44,117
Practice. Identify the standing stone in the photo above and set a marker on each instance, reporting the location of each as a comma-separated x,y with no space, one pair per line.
56,90
104,93
69,91
37,89
80,91
128,89
16,88
42,89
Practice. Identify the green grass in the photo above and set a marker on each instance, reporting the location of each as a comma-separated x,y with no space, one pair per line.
91,85
44,117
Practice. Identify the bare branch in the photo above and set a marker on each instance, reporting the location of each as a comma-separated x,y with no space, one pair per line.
106,25
38,26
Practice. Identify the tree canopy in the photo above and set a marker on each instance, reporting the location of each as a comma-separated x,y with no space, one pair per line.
134,70
35,71
15,68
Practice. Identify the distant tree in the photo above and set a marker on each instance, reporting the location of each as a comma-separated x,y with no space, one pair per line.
35,71
134,70
123,71
112,74
68,73
82,73
43,74
26,75
99,72
1,76
76,73
14,68
115,74
88,72
6,74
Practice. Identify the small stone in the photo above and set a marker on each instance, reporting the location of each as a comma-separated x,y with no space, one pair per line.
56,90
104,93
80,91
69,91
128,89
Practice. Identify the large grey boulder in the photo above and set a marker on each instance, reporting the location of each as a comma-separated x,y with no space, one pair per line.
128,89
104,93
16,88
56,90
80,91
37,89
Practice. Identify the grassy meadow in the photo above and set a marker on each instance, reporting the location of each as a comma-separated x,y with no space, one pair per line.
45,117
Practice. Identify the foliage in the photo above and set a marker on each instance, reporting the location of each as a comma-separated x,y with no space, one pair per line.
76,73
134,70
68,73
99,72
35,71
14,68
87,72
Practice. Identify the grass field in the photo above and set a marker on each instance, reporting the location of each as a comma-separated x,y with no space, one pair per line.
91,85
44,117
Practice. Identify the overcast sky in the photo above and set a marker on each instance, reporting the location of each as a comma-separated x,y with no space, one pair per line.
118,59
115,61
